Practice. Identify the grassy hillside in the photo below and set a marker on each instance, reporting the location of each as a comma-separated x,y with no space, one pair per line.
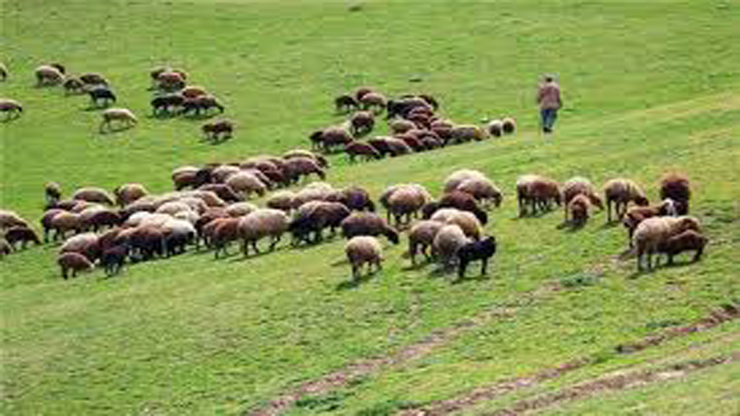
649,88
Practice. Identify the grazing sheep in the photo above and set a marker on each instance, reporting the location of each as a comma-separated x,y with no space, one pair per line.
204,103
362,250
47,75
167,104
397,147
92,78
101,95
64,222
464,133
114,259
171,81
453,181
91,194
100,218
345,103
147,241
464,219
401,126
240,209
355,199
421,237
412,142
21,235
462,201
129,192
297,167
221,173
361,92
402,107
621,192
224,231
246,183
365,150
73,86
373,101
635,215
404,201
448,240
364,223
313,217
482,189
87,244
52,192
509,125
580,186
578,207
122,115
12,109
475,250
264,222
689,240
75,262
3,72
220,129
282,200
653,232
495,128
316,191
676,186
537,192
321,160
223,191
330,138
380,145
361,123
192,91
46,221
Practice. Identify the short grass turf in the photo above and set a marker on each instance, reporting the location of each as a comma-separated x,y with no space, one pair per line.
649,88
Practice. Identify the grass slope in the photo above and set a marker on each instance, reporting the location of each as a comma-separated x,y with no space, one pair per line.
648,87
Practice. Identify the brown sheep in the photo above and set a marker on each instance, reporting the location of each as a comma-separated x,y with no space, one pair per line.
22,235
621,192
654,232
509,125
373,101
365,223
401,126
48,75
297,167
354,198
538,193
220,129
676,186
579,186
689,240
192,91
362,122
91,194
11,108
361,92
421,237
397,147
226,230
46,221
578,207
75,262
64,222
321,160
635,215
330,138
362,149
52,192
92,78
73,86
465,133
363,250
129,192
345,103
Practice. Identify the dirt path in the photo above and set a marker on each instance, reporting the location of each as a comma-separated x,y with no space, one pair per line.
714,318
354,371
614,382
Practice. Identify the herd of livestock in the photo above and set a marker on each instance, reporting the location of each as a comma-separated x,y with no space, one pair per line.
209,210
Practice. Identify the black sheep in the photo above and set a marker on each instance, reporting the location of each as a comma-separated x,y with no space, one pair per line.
476,250
101,94
113,259
166,104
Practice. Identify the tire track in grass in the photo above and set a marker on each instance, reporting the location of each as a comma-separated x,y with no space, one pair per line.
715,318
615,382
354,371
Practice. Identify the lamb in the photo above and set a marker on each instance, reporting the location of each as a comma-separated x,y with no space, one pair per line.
355,149
621,192
21,235
362,223
689,240
48,75
448,240
509,125
220,129
362,122
345,103
476,250
91,194
75,262
466,132
265,222
362,250
495,128
73,86
129,192
114,259
167,104
102,95
676,186
52,192
467,222
121,115
579,186
578,207
246,183
421,237
654,232
297,167
373,101
12,109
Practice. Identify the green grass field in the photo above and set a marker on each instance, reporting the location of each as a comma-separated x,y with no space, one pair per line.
649,88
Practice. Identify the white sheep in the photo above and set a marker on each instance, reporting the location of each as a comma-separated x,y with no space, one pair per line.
121,115
264,222
363,250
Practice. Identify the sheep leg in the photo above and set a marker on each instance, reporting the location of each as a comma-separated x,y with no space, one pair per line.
462,265
254,246
484,266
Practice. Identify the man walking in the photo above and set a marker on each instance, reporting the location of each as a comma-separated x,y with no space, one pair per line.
548,98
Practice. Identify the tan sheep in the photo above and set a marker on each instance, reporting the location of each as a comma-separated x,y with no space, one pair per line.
467,221
129,192
240,209
11,219
580,186
262,223
47,75
246,183
421,237
362,250
92,194
65,222
621,192
453,181
655,231
282,200
124,116
405,201
482,189
448,240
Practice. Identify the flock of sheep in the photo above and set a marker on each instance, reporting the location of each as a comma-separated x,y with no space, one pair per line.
208,207
173,97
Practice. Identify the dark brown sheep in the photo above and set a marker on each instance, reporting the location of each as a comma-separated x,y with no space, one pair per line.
52,192
46,221
223,191
147,241
579,207
225,231
103,218
22,235
397,147
380,145
218,130
537,193
345,103
677,187
361,149
373,101
464,202
298,167
92,78
73,86
75,262
361,92
365,223
362,123
686,241
355,198
330,138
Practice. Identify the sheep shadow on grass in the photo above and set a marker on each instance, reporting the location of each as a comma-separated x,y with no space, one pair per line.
115,129
355,283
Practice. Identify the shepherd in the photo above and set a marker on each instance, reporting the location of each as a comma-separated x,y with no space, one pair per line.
548,98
